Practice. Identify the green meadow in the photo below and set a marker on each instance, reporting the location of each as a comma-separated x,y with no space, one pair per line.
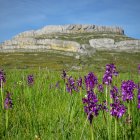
46,111
125,62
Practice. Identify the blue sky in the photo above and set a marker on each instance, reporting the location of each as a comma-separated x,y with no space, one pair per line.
20,15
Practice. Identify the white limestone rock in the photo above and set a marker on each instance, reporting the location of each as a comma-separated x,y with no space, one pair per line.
103,43
128,44
76,28
110,44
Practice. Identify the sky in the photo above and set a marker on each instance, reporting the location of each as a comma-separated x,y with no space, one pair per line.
21,15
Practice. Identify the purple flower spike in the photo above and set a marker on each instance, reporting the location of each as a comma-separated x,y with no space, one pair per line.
117,109
114,93
8,101
108,75
138,96
90,81
127,88
64,75
100,88
79,82
68,88
30,80
103,106
70,85
91,108
2,77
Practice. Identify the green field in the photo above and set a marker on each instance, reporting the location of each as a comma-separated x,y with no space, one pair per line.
47,112
125,62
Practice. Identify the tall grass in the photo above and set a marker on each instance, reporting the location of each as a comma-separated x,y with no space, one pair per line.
44,111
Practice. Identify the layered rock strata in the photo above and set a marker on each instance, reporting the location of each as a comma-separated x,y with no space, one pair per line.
110,44
31,41
72,28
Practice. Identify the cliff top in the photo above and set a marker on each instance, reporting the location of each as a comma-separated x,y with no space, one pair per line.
72,28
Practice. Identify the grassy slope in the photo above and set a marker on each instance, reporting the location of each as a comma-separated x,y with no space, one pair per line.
58,61
125,61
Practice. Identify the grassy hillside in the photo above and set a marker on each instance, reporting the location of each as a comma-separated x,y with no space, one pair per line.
124,61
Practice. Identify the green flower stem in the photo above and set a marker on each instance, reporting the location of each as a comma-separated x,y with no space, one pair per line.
106,93
104,117
129,117
83,129
91,129
80,91
6,118
129,110
109,117
115,128
2,96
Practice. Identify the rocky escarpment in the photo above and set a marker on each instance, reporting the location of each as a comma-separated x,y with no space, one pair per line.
78,28
110,44
31,44
77,39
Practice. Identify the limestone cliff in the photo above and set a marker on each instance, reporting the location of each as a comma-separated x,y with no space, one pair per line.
72,28
81,39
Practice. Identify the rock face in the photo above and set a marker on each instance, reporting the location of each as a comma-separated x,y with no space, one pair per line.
106,43
72,28
31,41
110,44
129,44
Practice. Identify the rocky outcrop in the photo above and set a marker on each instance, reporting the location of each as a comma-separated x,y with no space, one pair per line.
110,44
133,45
102,43
31,43
46,39
72,28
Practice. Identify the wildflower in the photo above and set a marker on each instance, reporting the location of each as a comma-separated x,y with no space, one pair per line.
79,82
111,68
90,81
70,85
91,108
114,93
117,109
108,75
100,88
8,101
2,77
68,88
103,106
64,75
127,88
71,81
30,80
138,96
